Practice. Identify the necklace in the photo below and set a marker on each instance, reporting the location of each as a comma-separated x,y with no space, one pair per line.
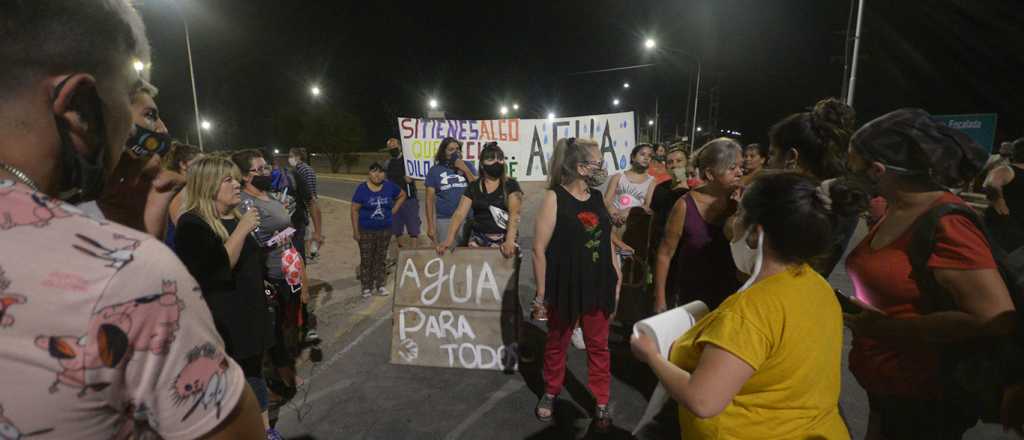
20,175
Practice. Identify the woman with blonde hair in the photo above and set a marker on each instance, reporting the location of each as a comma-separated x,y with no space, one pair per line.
213,240
576,274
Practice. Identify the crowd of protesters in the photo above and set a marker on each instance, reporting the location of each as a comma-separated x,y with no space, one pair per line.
190,297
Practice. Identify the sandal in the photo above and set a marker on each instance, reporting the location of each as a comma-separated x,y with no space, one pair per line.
602,418
540,313
546,403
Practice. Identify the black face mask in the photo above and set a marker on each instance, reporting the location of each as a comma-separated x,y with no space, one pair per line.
261,182
394,152
496,169
82,178
144,142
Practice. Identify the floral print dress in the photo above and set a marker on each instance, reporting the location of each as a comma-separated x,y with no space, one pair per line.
580,276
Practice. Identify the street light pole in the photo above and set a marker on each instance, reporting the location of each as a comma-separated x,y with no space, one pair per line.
856,51
696,100
192,77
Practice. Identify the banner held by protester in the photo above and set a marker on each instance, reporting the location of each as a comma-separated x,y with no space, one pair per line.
527,143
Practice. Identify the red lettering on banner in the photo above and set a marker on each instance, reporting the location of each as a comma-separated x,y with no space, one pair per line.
485,131
513,130
407,129
502,130
471,148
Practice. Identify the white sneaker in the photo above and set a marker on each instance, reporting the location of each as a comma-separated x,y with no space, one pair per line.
577,339
367,293
381,291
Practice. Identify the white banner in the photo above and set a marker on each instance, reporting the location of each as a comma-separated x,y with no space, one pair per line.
527,143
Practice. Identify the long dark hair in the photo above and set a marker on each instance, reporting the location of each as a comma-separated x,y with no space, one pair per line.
440,156
820,137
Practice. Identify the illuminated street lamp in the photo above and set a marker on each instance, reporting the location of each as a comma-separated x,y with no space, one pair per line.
650,43
504,110
650,122
433,103
625,85
615,102
515,106
138,66
315,91
551,115
206,125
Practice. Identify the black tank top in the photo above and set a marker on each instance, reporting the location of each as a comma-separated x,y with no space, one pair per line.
579,276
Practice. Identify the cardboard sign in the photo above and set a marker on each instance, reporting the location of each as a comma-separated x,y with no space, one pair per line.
456,311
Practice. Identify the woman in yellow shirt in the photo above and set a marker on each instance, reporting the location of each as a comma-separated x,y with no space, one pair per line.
766,363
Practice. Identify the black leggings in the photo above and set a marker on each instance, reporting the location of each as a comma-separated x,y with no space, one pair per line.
285,348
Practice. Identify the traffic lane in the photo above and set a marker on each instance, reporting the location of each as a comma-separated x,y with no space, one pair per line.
336,188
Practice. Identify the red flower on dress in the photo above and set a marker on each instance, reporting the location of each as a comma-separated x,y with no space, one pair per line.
589,220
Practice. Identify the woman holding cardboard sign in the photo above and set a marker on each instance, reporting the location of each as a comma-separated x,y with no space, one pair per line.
576,274
766,362
495,200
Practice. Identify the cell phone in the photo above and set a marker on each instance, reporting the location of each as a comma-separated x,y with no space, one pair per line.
624,253
847,304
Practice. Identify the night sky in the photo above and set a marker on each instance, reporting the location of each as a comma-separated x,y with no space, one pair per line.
255,60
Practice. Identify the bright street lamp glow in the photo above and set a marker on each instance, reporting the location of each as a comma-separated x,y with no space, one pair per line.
551,116
515,106
650,122
650,43
615,101
504,110
276,151
433,103
138,66
699,129
206,125
315,90
625,85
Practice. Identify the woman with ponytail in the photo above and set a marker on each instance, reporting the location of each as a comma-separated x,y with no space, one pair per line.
766,363
576,274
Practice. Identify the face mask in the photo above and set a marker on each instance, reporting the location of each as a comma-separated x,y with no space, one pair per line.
261,182
639,168
145,142
496,169
748,260
455,156
596,178
293,161
82,178
394,152
679,174
659,158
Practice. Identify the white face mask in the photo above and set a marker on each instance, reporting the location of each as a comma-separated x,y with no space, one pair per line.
293,161
748,260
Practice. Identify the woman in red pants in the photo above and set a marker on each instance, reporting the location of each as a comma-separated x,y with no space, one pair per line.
576,274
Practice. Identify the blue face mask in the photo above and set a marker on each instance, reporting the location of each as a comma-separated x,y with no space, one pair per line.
144,142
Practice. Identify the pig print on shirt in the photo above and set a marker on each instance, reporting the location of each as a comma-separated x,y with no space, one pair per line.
115,332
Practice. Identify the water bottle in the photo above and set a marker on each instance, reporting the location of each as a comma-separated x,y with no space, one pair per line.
247,204
314,250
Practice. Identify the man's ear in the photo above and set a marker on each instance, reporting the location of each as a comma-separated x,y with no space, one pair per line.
76,106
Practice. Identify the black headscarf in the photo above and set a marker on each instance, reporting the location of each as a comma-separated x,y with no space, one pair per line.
910,143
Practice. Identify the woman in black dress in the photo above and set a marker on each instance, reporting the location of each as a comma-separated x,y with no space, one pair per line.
213,240
576,274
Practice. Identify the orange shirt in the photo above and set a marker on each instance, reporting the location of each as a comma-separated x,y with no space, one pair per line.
881,277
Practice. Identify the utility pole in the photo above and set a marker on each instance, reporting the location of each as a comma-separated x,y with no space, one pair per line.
856,51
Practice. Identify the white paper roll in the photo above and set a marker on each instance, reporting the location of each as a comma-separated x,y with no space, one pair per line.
665,328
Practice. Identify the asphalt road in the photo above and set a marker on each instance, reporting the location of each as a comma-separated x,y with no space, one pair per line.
354,393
